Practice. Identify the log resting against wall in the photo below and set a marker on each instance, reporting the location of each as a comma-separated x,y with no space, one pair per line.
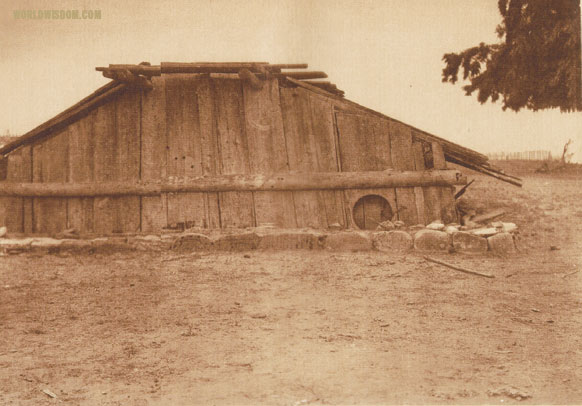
228,183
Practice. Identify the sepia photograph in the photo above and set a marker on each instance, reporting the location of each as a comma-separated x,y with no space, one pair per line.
290,202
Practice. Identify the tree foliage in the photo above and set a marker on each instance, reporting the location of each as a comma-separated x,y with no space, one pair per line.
536,64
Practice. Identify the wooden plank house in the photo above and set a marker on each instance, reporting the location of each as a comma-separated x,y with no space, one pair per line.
222,145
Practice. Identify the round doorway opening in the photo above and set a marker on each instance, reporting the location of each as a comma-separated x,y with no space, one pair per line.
371,210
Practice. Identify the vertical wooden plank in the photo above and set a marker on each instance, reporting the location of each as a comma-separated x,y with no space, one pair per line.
434,195
128,113
81,170
267,151
236,208
184,152
432,198
208,148
418,191
104,165
301,153
116,130
50,164
438,156
448,208
324,133
364,142
16,212
448,211
153,154
403,159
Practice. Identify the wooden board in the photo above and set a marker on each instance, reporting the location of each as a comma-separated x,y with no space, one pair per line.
50,164
326,153
81,170
364,142
236,208
403,159
419,165
267,151
302,156
154,214
185,210
116,130
433,195
16,212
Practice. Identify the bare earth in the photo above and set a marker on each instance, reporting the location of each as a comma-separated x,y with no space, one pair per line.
301,327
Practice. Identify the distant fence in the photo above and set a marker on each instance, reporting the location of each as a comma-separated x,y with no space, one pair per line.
525,156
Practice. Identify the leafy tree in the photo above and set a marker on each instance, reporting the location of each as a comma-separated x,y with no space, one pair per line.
536,64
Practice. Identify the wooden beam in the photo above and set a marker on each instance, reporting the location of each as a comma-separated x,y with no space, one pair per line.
230,183
288,66
305,75
145,70
207,67
481,169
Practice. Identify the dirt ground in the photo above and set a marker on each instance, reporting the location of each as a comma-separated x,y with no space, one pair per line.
305,327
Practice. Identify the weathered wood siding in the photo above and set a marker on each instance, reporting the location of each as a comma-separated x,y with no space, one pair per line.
193,125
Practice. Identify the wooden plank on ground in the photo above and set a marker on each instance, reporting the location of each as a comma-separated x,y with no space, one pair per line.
154,154
50,164
236,208
267,151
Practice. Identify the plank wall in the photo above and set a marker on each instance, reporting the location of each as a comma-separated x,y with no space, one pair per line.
193,125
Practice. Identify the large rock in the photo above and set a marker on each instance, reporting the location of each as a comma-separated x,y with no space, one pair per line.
501,243
431,240
290,239
237,242
467,242
192,242
387,241
348,241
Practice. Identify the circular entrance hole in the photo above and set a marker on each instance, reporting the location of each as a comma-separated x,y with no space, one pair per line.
371,210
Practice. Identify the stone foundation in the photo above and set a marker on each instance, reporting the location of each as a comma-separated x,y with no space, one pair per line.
424,240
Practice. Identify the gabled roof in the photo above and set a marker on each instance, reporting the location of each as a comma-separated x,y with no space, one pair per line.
255,73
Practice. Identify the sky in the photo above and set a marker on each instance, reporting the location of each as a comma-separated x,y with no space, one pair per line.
385,54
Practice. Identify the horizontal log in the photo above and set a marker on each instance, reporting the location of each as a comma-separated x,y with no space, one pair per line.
240,183
144,70
288,66
207,67
305,75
